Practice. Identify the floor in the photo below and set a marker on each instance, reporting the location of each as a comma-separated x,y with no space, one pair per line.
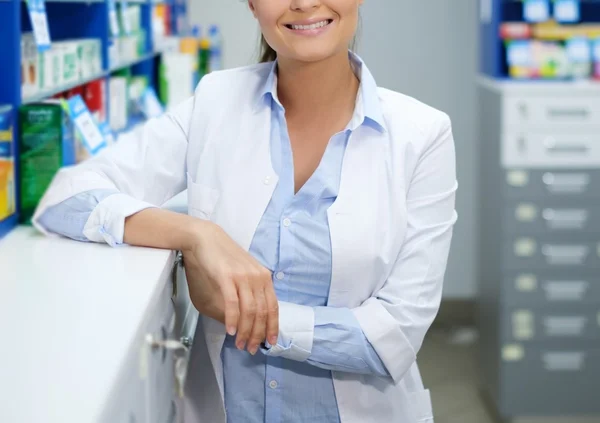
449,368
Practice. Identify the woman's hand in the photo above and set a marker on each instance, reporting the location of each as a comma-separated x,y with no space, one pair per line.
229,285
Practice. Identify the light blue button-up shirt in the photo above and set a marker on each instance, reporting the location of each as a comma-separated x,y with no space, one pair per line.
292,240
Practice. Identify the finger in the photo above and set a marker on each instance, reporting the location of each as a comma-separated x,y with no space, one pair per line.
232,307
272,314
260,322
247,314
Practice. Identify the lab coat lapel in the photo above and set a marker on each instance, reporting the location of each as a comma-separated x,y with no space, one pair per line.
351,218
250,184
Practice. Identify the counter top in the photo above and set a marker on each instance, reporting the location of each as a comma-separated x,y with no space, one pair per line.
69,312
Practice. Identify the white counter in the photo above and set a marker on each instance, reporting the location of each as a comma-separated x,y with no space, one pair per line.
69,315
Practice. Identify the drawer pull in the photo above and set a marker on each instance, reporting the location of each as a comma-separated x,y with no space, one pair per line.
564,361
571,183
566,290
178,263
167,344
568,113
565,326
565,254
565,218
553,147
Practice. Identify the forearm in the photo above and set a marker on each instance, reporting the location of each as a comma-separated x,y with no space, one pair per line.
158,228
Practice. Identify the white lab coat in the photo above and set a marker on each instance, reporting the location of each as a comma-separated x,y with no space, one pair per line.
391,224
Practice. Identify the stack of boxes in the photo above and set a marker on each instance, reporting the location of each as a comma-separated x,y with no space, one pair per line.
7,164
65,63
130,43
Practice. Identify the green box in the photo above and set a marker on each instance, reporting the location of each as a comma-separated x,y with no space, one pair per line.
46,144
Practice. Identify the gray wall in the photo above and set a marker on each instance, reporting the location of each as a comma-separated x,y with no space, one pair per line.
426,49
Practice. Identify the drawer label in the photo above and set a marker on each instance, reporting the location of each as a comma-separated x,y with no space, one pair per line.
567,11
536,10
513,352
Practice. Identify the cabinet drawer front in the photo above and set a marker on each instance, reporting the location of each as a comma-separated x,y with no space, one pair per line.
550,289
534,150
584,110
563,323
539,253
546,381
552,184
531,218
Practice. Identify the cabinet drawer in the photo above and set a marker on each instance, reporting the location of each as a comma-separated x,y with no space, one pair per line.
542,252
550,289
553,184
549,380
550,110
563,323
534,150
551,217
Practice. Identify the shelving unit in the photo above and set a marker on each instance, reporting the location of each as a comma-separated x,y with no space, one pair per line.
492,50
68,20
539,234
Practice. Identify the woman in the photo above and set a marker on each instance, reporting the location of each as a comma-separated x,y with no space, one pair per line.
320,217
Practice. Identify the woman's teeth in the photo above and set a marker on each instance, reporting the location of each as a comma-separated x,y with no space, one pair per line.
312,26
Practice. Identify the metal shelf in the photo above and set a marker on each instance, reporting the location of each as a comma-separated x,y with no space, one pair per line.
49,93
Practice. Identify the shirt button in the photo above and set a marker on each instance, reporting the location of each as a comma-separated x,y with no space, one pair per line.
273,384
267,180
280,275
287,222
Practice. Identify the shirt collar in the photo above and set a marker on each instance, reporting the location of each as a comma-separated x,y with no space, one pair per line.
368,106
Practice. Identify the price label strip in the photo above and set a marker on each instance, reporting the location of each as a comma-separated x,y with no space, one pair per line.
112,18
150,105
125,18
91,135
567,11
39,23
536,10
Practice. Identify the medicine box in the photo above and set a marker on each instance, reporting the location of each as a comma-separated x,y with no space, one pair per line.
8,200
46,143
29,65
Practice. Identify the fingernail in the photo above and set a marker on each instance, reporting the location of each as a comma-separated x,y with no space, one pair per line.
273,340
253,350
241,345
231,330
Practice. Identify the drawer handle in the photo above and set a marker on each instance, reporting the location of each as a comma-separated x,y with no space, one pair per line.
565,326
565,254
565,218
553,147
178,263
566,290
566,182
568,113
564,361
167,344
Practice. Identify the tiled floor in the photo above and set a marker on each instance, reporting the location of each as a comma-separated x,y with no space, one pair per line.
449,370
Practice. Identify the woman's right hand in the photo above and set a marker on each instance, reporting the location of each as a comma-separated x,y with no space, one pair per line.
227,284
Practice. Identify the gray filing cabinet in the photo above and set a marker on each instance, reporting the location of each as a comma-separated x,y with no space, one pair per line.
539,246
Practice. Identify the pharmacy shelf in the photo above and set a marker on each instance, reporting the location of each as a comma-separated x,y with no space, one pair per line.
7,225
57,90
134,62
72,20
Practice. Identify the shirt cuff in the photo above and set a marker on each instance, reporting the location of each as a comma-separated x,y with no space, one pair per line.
296,333
107,222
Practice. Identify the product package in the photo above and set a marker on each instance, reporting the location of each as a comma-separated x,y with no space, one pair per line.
118,102
89,52
176,82
8,205
46,144
29,66
95,98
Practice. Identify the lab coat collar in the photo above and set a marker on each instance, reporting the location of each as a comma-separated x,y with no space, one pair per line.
368,107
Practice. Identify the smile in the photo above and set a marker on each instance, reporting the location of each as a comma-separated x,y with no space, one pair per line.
313,26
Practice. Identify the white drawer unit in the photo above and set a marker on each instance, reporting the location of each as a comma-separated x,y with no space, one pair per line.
539,246
551,110
530,149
